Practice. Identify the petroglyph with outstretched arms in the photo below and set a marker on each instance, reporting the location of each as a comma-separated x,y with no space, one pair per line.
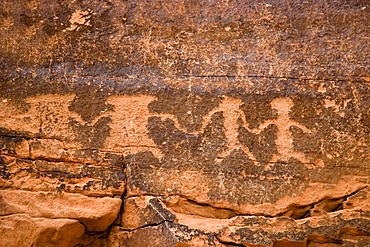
128,122
284,140
176,123
230,107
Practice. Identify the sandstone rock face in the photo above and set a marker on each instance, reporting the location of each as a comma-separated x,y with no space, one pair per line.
184,123
23,230
95,213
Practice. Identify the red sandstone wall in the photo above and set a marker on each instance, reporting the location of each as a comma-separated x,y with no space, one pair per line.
184,123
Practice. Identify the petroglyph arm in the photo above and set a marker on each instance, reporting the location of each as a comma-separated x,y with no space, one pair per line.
245,125
263,126
302,127
205,122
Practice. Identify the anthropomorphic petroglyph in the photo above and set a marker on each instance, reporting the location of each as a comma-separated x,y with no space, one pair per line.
284,139
129,132
49,115
230,108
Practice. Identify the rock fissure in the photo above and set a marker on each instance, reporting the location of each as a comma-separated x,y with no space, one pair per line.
184,205
184,123
273,77
324,205
228,243
123,198
149,225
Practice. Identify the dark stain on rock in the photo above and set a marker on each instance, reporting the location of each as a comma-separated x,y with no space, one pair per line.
160,235
91,136
255,183
262,145
26,19
248,235
185,149
8,145
341,227
257,109
16,134
161,212
115,160
52,26
110,177
141,172
189,108
88,185
89,154
3,169
60,188
100,178
294,234
187,233
337,131
90,102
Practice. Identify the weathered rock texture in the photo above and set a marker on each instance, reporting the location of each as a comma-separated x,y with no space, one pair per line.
184,123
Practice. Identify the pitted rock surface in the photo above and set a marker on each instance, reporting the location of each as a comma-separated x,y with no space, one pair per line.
184,123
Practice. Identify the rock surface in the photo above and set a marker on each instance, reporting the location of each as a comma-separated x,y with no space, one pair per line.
95,213
184,123
23,230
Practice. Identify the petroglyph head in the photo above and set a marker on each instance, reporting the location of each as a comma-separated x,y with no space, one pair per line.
282,105
229,101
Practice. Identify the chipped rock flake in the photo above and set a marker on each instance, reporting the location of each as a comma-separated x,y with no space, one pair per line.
184,123
78,18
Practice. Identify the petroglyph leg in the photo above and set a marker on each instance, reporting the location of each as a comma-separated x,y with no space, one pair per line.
231,113
284,140
230,108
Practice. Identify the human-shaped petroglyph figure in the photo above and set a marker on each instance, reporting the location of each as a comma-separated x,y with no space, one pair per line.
129,119
284,140
129,133
230,108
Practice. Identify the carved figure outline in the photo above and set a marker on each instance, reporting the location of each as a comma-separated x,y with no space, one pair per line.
230,107
129,132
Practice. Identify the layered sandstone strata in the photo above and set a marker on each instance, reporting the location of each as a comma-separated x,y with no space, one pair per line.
184,123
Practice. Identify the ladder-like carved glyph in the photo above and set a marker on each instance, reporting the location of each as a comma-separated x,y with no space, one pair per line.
129,132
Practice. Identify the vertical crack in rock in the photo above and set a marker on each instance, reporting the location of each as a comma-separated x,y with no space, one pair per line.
184,123
118,221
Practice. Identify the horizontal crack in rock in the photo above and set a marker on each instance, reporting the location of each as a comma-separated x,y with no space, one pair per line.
324,205
270,77
145,226
186,206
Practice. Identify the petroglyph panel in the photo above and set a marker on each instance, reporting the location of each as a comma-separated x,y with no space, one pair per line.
213,123
132,124
261,153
